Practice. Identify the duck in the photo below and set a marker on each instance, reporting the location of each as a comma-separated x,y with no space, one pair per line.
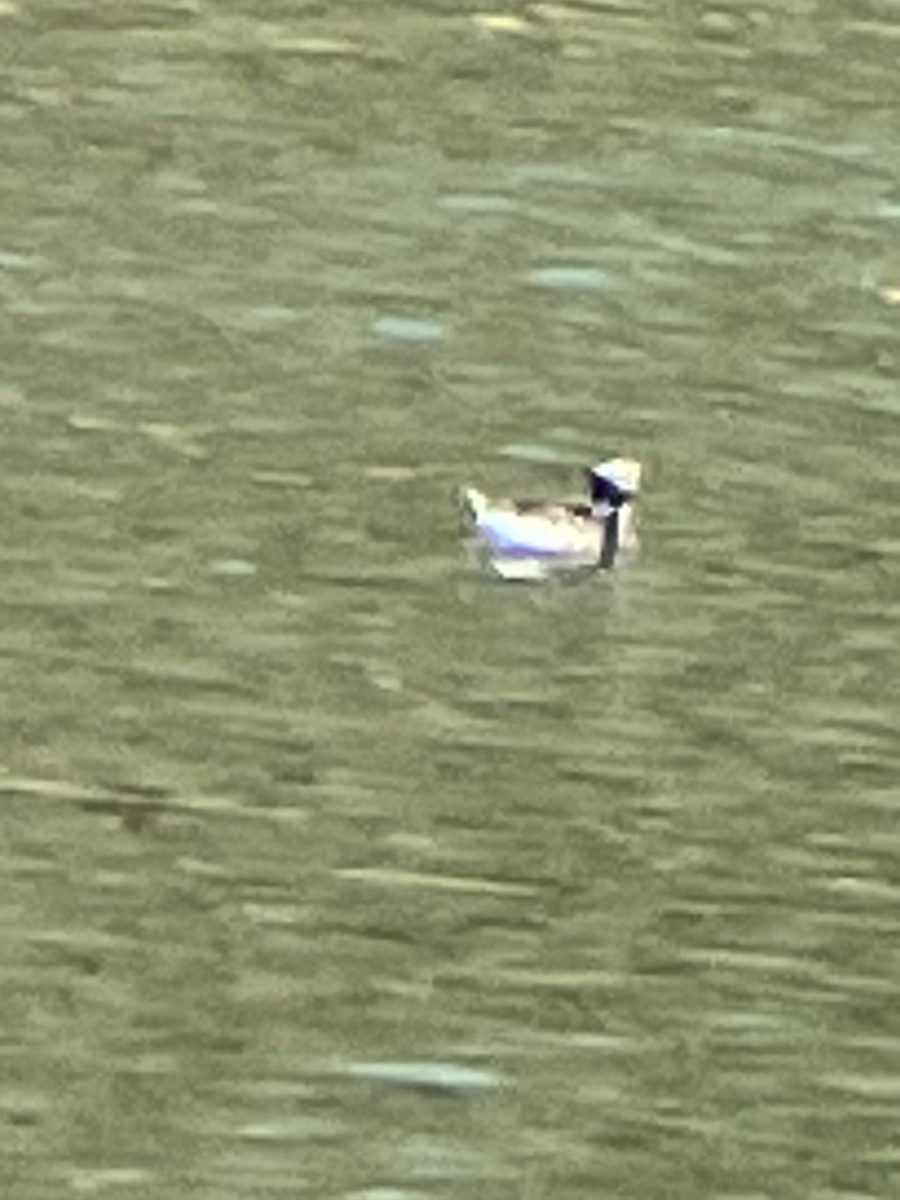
529,539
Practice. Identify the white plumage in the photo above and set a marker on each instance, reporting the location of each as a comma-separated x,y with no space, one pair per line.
529,540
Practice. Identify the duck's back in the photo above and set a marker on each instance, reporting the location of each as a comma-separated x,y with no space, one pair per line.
556,534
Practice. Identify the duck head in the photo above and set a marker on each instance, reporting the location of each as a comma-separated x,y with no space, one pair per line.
613,483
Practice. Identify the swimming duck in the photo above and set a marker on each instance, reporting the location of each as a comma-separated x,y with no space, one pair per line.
525,539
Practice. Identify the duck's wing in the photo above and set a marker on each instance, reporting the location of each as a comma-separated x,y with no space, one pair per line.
583,512
557,510
511,533
479,502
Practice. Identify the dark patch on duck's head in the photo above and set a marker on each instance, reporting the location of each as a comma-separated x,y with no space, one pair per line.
610,487
605,491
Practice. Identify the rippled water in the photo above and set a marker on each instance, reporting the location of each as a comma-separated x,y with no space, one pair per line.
330,867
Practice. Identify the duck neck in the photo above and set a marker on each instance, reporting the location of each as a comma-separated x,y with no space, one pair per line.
610,547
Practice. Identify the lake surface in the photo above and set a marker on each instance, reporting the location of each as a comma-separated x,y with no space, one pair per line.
330,867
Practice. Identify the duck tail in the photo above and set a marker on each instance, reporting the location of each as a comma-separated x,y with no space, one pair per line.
476,502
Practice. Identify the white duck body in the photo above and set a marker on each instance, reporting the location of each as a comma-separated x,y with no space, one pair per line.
530,541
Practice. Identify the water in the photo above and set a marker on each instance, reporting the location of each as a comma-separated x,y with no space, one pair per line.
306,825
